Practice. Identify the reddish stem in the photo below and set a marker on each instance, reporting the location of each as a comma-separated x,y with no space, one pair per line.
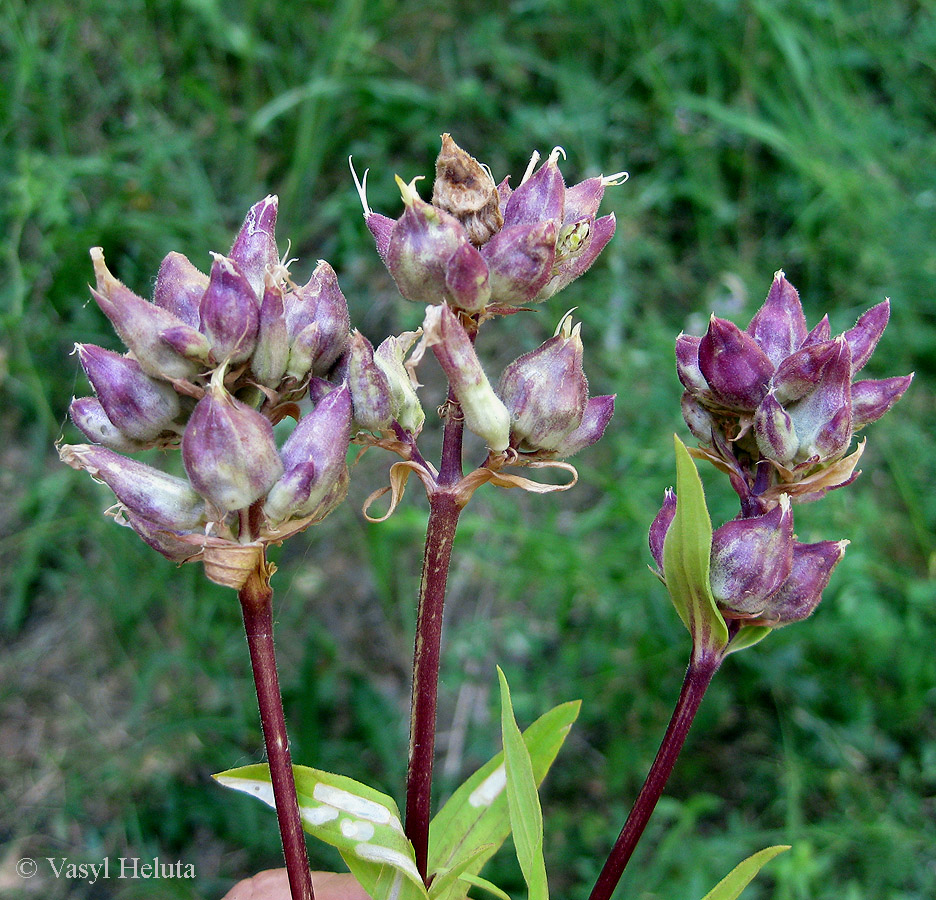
256,598
444,510
698,677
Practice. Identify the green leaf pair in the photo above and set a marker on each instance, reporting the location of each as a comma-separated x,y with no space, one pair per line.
364,824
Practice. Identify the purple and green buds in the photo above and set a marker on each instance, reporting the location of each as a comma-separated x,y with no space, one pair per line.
229,312
228,450
780,393
180,287
404,401
484,413
758,573
547,395
533,241
546,390
254,249
317,323
370,391
153,495
140,408
315,478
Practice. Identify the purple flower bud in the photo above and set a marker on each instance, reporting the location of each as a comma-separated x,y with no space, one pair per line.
271,354
800,373
822,419
539,197
188,342
545,391
520,259
404,402
484,413
370,392
698,418
160,498
467,280
779,326
822,332
733,364
91,420
314,462
141,407
800,594
228,450
863,338
751,559
659,527
687,365
229,312
179,288
422,250
871,399
598,412
139,324
255,245
774,431
163,540
319,302
466,189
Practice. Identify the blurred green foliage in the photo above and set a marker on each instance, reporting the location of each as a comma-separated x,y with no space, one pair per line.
758,135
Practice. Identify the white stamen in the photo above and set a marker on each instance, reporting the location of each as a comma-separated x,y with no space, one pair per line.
615,179
361,189
534,159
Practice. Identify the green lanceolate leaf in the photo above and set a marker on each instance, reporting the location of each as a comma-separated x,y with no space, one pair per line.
445,878
526,815
686,557
362,823
477,816
743,874
748,636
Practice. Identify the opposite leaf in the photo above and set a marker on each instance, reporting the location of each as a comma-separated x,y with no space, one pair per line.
476,815
741,875
526,815
363,824
686,559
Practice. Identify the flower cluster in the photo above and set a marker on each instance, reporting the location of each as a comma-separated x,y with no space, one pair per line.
214,362
478,250
775,407
482,247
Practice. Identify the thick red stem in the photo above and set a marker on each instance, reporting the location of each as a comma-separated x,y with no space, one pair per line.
256,598
698,677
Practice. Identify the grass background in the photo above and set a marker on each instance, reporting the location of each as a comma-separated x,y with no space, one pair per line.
758,135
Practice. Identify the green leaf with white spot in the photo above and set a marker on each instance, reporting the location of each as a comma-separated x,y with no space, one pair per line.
362,823
687,554
730,887
526,815
477,816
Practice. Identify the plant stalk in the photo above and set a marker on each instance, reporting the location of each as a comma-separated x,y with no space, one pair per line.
699,675
444,510
256,598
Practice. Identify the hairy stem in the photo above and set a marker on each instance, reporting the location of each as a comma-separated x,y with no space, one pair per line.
444,510
256,598
698,677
